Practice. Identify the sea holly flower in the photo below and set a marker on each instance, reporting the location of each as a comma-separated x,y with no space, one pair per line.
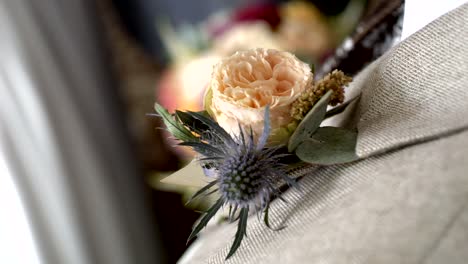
247,173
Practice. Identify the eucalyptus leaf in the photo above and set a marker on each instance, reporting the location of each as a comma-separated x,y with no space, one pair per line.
339,109
191,175
310,123
241,231
329,145
177,129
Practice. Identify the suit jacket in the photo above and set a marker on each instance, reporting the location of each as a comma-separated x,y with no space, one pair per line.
406,200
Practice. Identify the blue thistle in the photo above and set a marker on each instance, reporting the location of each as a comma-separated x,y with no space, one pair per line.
246,172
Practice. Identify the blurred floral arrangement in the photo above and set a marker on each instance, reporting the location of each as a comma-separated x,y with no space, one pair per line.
296,26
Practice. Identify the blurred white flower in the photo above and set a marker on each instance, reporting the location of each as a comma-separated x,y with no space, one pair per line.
245,36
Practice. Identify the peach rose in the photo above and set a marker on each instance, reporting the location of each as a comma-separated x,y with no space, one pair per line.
244,83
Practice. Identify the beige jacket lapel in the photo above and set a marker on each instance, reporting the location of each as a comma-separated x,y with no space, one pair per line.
366,211
419,90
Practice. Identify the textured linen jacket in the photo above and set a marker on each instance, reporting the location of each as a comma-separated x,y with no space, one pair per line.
406,200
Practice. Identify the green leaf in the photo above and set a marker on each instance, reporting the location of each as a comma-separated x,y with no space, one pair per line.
232,214
177,129
310,123
207,101
204,149
339,109
202,190
329,145
267,221
215,128
191,175
192,123
206,218
241,231
265,216
266,129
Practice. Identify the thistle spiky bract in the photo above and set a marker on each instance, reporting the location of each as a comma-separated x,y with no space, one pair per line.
246,172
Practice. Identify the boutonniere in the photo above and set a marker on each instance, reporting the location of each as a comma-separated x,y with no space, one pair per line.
262,115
